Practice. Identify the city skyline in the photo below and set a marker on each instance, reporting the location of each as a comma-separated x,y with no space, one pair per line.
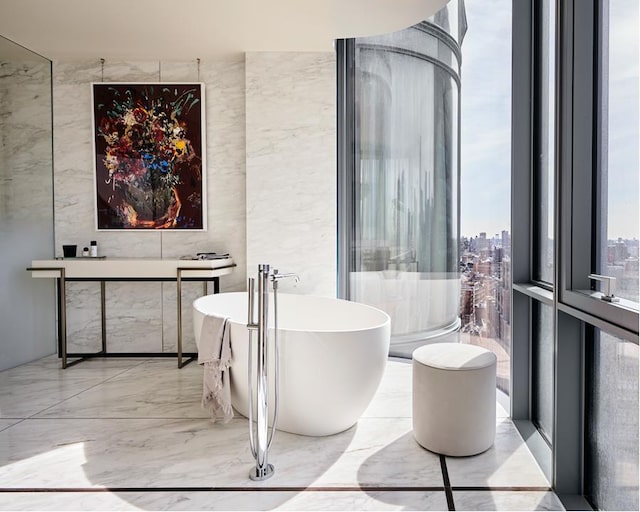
485,201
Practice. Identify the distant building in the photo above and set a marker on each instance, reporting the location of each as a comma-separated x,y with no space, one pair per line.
485,295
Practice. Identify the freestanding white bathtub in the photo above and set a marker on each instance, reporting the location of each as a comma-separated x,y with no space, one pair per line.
332,356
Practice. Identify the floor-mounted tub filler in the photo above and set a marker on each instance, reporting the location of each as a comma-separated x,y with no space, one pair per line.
332,354
259,438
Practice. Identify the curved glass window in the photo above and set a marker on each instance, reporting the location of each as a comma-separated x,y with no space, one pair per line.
405,201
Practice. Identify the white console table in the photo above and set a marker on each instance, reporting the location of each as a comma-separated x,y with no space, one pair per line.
126,269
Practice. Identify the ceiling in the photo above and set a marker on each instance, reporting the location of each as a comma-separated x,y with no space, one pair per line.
185,29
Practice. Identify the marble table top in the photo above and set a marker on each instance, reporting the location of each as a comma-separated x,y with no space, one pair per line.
132,268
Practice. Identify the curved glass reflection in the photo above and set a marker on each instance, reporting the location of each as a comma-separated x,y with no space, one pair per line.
405,244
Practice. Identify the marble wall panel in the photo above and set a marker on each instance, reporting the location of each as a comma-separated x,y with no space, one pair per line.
25,158
72,147
179,71
225,161
134,317
27,306
126,71
225,141
270,159
83,317
291,167
149,313
190,292
74,189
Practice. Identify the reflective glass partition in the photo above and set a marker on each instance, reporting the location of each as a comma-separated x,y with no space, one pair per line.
27,307
403,248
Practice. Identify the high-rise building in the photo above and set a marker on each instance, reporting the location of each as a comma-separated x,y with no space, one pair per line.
402,253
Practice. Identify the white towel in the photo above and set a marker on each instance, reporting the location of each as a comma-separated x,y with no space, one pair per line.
215,354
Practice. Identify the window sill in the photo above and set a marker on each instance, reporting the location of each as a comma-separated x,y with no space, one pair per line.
615,318
535,292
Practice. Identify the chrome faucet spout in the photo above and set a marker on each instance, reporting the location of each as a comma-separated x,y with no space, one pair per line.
276,276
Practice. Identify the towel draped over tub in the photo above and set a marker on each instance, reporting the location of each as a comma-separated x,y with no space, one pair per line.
215,354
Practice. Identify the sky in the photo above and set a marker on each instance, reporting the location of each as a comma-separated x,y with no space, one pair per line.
485,181
486,118
624,60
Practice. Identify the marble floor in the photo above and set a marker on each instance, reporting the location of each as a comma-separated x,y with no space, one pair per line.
129,434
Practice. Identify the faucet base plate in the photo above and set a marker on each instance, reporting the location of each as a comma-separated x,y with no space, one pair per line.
262,474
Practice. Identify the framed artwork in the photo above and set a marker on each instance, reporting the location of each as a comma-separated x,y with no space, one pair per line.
149,156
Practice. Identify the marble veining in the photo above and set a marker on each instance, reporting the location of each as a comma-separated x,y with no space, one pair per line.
137,424
291,166
76,71
126,71
250,125
25,191
190,292
392,399
504,500
238,500
507,463
156,389
179,71
134,317
154,327
29,389
4,424
83,317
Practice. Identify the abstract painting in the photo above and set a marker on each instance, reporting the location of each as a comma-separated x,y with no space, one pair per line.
149,156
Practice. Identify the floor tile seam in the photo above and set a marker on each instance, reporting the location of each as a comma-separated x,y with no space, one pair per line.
118,418
83,391
499,419
41,364
447,483
232,422
282,488
500,488
230,489
135,363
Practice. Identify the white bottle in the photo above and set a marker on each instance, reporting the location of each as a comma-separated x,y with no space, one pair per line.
94,249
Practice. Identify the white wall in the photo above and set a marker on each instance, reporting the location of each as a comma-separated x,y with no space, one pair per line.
243,129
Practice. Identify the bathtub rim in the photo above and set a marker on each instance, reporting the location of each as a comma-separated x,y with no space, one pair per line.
387,317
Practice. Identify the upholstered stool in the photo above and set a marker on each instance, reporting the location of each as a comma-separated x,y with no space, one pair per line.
454,398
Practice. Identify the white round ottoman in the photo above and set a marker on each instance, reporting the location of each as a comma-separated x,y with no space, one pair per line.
454,398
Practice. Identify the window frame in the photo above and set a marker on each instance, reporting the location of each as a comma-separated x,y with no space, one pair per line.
539,142
579,146
577,309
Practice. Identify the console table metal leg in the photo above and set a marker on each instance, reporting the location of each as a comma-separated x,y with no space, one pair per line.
103,317
179,326
62,297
